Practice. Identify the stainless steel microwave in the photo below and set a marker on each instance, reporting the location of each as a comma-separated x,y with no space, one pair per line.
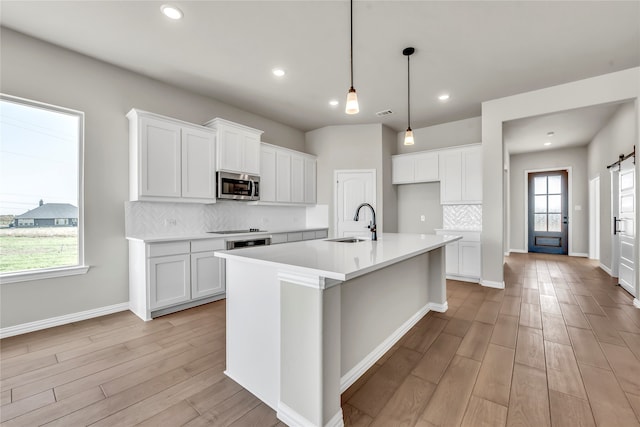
237,186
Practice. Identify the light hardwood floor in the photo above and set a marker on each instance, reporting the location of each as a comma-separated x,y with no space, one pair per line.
560,346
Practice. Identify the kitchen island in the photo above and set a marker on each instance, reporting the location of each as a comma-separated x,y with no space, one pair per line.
305,320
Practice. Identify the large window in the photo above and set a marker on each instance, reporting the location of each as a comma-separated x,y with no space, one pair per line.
40,190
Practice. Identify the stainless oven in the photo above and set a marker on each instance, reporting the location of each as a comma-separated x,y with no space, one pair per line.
236,186
248,243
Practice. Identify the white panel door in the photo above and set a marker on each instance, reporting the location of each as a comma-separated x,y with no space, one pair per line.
451,251
626,226
354,187
160,166
198,164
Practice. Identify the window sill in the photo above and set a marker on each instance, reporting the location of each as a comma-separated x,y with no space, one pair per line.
27,276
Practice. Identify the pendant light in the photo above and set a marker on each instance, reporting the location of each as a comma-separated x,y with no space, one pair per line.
408,136
352,98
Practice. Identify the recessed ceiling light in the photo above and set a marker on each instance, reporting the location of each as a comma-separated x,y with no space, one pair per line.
547,143
334,103
444,97
171,11
278,72
550,134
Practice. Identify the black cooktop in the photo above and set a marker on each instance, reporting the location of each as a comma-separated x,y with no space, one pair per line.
251,230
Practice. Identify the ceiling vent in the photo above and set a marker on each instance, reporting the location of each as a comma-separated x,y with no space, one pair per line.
384,113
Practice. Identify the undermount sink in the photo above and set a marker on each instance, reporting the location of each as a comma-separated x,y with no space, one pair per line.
347,240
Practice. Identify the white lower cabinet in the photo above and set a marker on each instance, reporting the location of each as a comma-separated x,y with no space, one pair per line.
172,276
169,281
298,236
463,257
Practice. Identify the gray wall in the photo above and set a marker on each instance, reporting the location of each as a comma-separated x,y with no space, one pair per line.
460,132
354,147
576,158
389,192
43,72
415,200
615,138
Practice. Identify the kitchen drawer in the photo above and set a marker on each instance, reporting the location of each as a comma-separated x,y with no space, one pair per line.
308,235
294,237
278,238
207,245
322,234
168,248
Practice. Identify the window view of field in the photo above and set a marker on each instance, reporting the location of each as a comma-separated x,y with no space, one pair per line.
35,248
40,163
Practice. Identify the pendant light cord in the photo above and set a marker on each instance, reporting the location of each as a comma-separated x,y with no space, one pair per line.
351,52
408,93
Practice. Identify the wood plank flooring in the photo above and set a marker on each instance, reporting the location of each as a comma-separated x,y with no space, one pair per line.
559,346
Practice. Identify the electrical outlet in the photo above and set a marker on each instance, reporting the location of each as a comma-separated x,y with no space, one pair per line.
170,222
422,218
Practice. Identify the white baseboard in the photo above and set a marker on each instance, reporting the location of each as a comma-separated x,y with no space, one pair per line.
492,284
579,254
606,269
463,278
62,320
292,418
356,372
518,251
636,303
440,308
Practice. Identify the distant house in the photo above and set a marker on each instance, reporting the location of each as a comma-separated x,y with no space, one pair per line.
49,215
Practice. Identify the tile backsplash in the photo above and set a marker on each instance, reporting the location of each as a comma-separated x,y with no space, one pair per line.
462,217
145,219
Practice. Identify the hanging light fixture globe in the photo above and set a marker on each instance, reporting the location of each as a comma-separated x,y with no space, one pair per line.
408,136
352,106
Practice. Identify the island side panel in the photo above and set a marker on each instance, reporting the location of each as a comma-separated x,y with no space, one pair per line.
310,349
379,308
253,329
438,280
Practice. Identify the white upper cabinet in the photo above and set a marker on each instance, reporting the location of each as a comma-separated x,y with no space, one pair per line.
283,176
297,179
170,160
461,176
238,146
286,176
472,175
415,167
267,173
198,164
310,190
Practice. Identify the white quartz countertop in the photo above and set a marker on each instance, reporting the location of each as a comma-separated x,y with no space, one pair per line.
197,236
339,260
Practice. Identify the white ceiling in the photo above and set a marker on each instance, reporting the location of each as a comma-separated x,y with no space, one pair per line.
475,50
571,128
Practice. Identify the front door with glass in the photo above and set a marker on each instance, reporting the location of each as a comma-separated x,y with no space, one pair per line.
548,212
